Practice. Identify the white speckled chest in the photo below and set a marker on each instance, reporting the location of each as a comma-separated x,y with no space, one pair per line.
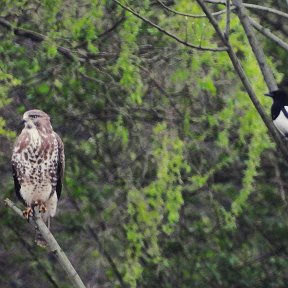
36,160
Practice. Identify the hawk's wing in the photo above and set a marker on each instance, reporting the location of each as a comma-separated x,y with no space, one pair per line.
17,185
61,165
15,168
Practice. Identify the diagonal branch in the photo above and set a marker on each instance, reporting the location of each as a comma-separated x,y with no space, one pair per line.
38,37
219,49
232,7
52,243
227,27
102,248
245,81
255,45
253,6
74,55
266,32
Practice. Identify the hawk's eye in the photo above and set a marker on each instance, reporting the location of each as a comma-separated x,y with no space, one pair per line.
34,116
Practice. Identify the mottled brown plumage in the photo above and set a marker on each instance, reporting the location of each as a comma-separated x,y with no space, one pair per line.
38,165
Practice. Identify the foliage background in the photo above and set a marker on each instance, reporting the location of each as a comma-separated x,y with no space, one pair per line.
171,178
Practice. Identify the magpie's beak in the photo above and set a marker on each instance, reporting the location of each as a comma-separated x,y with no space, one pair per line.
269,94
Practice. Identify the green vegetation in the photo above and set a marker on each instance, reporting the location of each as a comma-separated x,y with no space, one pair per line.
171,178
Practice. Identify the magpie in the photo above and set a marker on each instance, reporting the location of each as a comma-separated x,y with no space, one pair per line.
279,110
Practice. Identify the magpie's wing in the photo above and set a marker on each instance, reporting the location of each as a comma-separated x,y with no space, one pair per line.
285,111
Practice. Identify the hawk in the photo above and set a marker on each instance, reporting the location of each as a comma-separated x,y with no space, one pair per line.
38,167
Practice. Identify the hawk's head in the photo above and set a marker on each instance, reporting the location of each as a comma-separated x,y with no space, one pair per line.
37,119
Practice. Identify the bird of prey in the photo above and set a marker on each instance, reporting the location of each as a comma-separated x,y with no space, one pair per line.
279,110
38,167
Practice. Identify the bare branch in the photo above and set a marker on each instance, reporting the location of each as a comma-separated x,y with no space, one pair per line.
259,258
35,36
266,32
227,27
9,203
187,14
278,178
267,9
253,6
52,243
256,47
228,9
245,81
220,49
22,32
266,236
102,249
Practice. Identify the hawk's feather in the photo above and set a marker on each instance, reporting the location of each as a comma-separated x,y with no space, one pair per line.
61,165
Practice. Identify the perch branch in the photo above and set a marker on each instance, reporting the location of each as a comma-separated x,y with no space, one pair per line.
52,243
10,204
245,81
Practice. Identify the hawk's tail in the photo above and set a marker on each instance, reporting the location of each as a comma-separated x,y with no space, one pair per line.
39,240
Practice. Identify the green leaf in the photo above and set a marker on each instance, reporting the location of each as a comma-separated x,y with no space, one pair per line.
43,88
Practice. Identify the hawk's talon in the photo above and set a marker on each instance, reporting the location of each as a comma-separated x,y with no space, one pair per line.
27,213
41,206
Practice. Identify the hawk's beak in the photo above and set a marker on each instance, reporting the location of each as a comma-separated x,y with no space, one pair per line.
23,122
28,123
269,94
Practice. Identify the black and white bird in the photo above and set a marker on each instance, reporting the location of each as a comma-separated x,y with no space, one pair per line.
279,110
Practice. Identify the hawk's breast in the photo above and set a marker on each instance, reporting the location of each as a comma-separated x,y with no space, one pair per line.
36,158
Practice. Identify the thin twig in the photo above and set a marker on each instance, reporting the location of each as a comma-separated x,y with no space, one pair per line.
268,237
266,32
161,89
259,258
219,49
278,178
253,6
245,81
52,243
102,248
187,14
